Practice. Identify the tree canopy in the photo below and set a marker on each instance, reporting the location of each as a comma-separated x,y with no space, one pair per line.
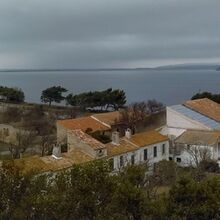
209,95
137,114
53,94
13,95
98,99
89,191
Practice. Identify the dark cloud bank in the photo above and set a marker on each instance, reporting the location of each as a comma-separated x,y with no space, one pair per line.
107,33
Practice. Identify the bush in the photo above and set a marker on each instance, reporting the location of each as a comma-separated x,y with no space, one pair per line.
13,95
209,166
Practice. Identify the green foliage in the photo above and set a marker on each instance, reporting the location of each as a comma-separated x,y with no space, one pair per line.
165,172
209,95
190,199
104,99
53,94
209,166
90,191
13,95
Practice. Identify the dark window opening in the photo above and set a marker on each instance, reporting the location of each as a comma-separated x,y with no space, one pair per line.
163,149
178,160
121,161
145,154
132,159
155,151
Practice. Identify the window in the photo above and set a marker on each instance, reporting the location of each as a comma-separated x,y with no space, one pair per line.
121,161
170,158
178,160
155,151
163,149
145,154
132,159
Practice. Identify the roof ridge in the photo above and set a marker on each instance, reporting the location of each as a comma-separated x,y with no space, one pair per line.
93,117
126,139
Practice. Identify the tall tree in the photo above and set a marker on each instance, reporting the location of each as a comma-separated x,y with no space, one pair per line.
53,94
102,99
209,95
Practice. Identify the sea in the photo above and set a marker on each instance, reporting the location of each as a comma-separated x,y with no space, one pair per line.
167,86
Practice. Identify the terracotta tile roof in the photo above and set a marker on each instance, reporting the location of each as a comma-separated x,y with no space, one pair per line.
135,142
206,107
107,118
123,147
48,163
87,139
83,123
206,138
147,138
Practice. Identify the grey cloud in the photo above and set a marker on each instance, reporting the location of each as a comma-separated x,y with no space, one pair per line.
99,33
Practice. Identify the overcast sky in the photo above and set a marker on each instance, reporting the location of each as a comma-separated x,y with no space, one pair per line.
108,33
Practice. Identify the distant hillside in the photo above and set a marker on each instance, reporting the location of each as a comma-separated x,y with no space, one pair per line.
194,66
71,70
190,67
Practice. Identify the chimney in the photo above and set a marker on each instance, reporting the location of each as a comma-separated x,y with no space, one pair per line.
115,137
56,154
128,133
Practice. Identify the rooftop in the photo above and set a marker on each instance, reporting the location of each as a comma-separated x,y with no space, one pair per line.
206,107
135,142
48,163
123,147
195,137
207,121
87,139
76,156
83,123
108,118
147,138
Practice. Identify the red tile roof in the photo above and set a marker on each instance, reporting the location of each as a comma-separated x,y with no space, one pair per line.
83,123
108,118
136,141
147,138
87,139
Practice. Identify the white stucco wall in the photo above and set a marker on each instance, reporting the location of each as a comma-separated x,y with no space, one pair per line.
172,132
187,158
139,155
177,121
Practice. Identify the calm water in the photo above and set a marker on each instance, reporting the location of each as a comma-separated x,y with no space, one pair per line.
167,86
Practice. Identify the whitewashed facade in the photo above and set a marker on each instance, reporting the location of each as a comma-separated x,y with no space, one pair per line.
177,123
150,154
